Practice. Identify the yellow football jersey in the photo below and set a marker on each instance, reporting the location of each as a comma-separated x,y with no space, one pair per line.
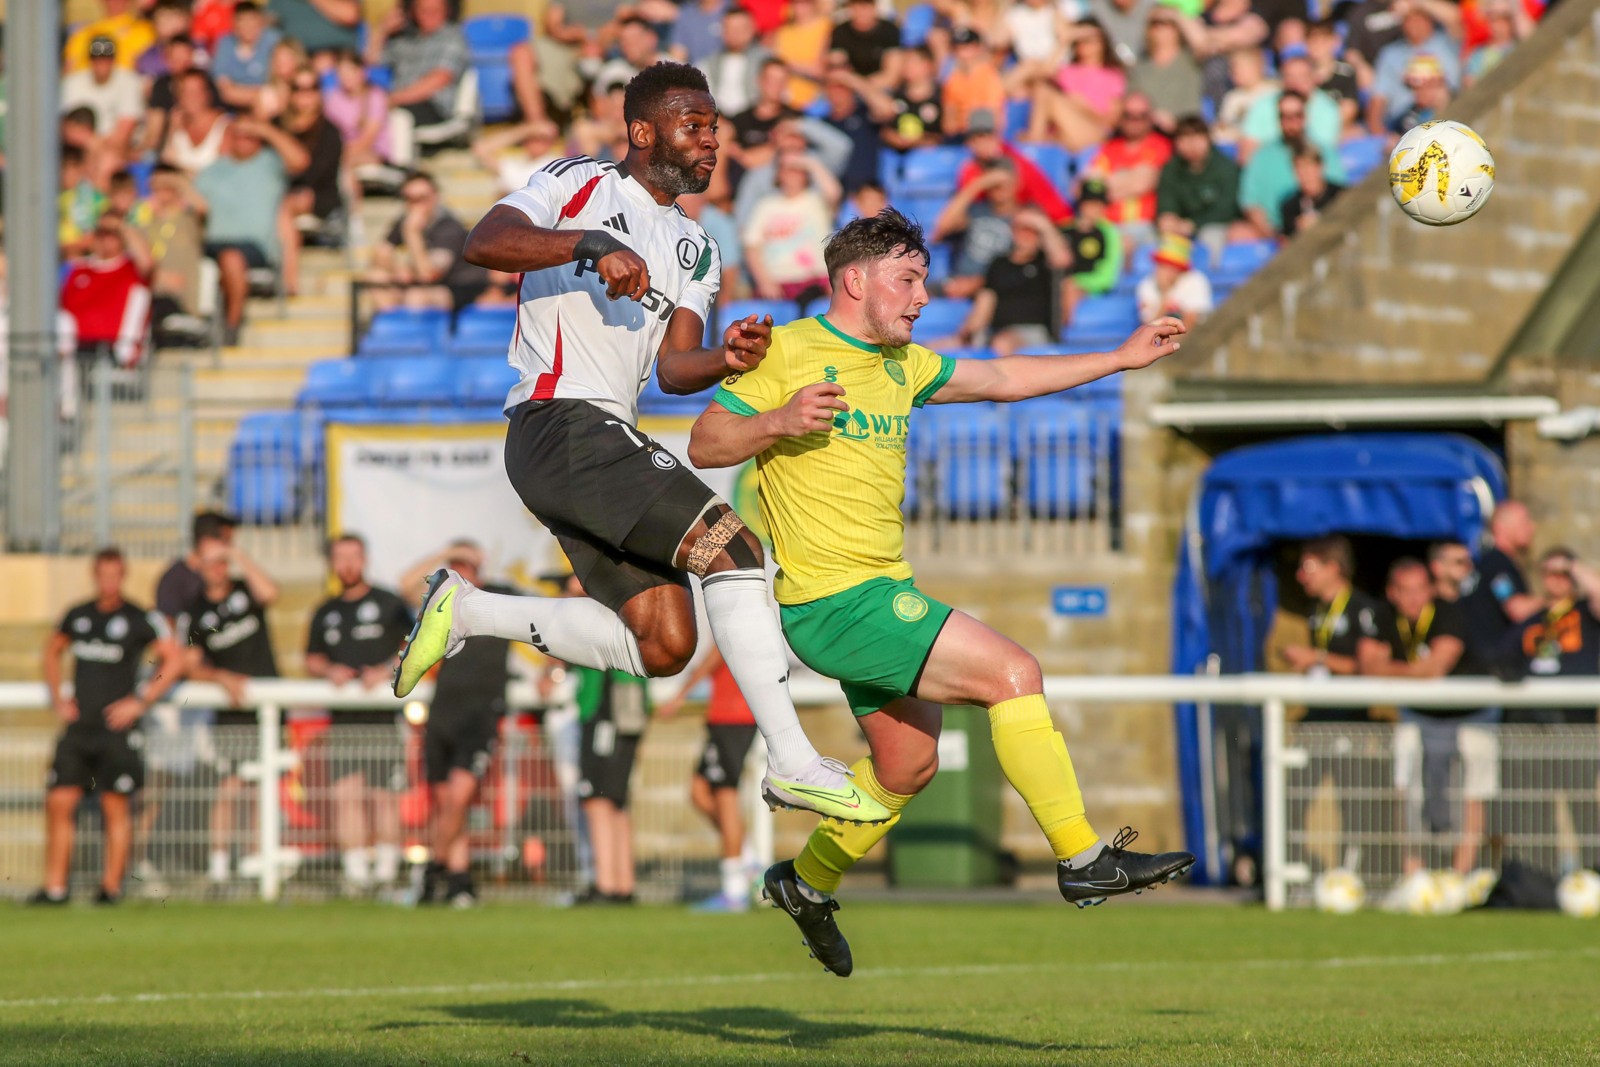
831,500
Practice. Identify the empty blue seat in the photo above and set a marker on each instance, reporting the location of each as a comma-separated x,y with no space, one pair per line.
1064,451
483,380
1018,114
483,331
942,317
970,446
494,35
915,24
816,307
1103,316
406,330
931,170
1229,149
335,382
940,257
782,311
1053,159
264,467
1240,261
922,208
497,100
425,380
1361,155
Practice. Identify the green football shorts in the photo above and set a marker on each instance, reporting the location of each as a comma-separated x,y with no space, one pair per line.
873,637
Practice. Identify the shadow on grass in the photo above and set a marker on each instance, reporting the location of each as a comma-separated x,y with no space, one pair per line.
743,1025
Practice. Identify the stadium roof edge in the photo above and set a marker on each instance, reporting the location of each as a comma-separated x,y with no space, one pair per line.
1341,412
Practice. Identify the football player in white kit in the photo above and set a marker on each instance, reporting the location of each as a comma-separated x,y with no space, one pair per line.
618,282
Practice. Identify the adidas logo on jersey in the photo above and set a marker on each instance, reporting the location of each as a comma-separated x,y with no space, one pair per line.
617,222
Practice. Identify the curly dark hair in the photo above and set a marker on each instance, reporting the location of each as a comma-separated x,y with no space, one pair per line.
888,233
651,85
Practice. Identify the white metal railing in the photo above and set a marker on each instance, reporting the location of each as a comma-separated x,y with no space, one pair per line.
1273,693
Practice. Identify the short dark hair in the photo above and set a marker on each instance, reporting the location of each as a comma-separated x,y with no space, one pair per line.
80,116
419,176
874,238
1334,549
635,20
334,542
1292,94
1437,550
1308,152
73,154
1406,563
1192,124
210,524
108,554
246,7
123,177
651,85
180,38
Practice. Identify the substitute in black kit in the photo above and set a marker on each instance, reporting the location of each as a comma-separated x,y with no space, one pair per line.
99,751
463,731
355,638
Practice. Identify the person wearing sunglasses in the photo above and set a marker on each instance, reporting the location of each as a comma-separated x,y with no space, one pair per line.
1560,640
314,193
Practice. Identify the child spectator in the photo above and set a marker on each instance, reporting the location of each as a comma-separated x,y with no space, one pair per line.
1430,95
917,107
1174,287
1081,106
1247,70
784,235
1168,74
1096,247
1302,209
273,97
171,21
243,58
79,203
359,110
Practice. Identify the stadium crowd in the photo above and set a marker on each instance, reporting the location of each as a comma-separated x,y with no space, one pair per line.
228,132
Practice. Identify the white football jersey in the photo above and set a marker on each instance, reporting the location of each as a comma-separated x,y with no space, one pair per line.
574,341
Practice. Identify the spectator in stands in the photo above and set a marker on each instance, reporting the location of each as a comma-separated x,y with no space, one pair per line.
913,116
799,135
697,33
228,642
272,99
210,21
1247,71
1269,176
544,70
802,43
784,235
536,143
1227,28
243,58
106,297
101,158
423,251
1198,193
1124,22
750,146
197,126
1430,95
1034,188
1344,624
427,54
1302,209
1035,32
1080,106
1168,75
1335,75
1559,641
1424,637
501,290
638,46
1130,164
79,203
181,583
602,132
170,18
123,23
359,110
1096,247
1027,276
848,114
1420,34
973,83
115,94
1506,27
979,214
1174,288
123,198
734,70
321,26
179,55
870,43
242,192
314,192
1323,123
355,637
96,753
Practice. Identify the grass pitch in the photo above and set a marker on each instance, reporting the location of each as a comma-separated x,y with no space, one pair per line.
1029,984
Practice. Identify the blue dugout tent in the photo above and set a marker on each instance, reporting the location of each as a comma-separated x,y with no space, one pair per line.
1412,486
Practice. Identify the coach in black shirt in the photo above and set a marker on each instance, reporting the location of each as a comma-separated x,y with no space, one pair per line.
98,752
356,636
1344,624
869,42
469,698
180,584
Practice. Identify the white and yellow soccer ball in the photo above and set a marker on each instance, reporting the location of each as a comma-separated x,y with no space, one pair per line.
1578,893
1453,894
1441,173
1416,894
1480,883
1339,891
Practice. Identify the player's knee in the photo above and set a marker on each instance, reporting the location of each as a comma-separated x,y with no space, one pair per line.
1018,675
667,650
907,773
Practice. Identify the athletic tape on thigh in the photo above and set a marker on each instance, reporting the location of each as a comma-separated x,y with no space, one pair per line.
712,542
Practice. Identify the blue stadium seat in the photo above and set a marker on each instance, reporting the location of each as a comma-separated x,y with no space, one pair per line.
942,317
889,168
483,380
381,76
970,446
494,35
782,311
406,330
1053,159
264,467
1362,155
1082,159
653,401
1018,114
1240,261
497,100
924,208
815,307
1103,316
425,380
482,331
927,171
915,24
1229,149
940,258
1064,449
336,382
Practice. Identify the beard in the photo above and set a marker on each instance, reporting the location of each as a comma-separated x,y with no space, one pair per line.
885,326
676,174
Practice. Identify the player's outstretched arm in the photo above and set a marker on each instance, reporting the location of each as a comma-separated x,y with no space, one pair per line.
685,366
506,240
723,438
1021,377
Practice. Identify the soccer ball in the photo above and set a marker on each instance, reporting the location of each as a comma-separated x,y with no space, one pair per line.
1416,894
1578,893
1453,893
1480,883
1441,173
1338,892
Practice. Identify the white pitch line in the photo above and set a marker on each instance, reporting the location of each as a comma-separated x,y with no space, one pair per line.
681,981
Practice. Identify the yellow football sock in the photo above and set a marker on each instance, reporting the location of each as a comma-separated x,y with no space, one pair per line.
835,846
1034,757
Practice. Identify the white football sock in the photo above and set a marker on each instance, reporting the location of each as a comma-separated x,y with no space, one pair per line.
735,879
385,863
218,871
574,630
357,866
751,641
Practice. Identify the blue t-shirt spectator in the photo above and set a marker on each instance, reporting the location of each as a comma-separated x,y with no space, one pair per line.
698,30
240,69
242,196
1389,73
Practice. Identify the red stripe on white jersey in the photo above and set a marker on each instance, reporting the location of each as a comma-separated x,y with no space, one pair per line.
580,198
545,387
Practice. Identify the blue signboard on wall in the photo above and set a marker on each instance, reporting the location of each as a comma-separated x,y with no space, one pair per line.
1085,600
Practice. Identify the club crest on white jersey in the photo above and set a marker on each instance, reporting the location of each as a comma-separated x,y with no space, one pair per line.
571,339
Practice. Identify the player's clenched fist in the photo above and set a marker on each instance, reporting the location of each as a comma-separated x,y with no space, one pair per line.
625,274
811,409
744,343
